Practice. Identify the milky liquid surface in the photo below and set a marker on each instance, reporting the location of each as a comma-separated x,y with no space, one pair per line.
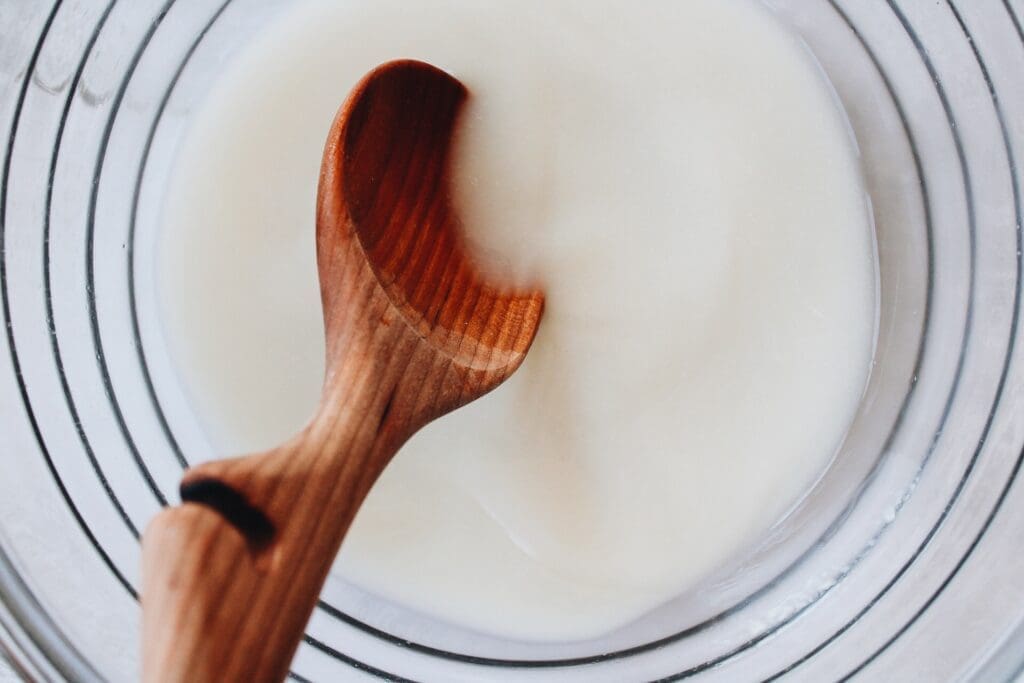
682,182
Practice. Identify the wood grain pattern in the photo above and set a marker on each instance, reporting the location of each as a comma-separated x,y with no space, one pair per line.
231,576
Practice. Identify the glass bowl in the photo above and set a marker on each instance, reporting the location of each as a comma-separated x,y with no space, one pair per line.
901,563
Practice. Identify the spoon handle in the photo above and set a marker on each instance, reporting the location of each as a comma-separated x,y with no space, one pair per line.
231,576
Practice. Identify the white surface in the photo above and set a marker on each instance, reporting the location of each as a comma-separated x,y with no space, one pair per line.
6,674
681,181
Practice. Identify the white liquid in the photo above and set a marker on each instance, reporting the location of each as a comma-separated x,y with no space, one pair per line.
678,176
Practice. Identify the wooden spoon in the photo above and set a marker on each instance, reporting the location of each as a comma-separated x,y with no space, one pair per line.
413,331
